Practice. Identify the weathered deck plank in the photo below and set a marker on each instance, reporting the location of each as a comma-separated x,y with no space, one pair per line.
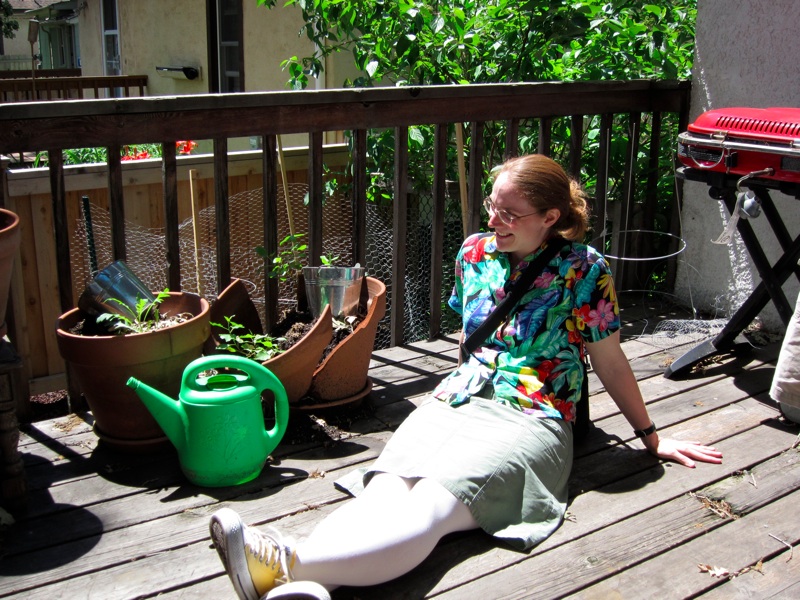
762,505
108,526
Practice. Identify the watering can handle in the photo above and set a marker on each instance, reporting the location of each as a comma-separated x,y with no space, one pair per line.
261,378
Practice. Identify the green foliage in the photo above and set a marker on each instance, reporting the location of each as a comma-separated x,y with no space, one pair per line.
258,347
288,262
328,261
144,317
416,42
8,25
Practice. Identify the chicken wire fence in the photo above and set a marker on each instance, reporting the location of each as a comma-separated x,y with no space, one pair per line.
146,251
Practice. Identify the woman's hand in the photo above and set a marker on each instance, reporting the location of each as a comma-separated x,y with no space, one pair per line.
681,452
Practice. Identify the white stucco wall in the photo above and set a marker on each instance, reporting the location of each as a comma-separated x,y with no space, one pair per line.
746,54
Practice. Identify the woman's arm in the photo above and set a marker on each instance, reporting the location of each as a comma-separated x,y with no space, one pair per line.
614,371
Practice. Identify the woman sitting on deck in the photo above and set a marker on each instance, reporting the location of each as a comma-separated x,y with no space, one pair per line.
492,447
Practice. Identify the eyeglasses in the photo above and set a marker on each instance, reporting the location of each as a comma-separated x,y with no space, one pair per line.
505,216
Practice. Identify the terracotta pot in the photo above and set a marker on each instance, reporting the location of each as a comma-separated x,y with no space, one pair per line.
295,367
342,376
9,244
103,364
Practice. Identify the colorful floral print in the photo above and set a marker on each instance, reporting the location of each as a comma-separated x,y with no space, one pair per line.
534,362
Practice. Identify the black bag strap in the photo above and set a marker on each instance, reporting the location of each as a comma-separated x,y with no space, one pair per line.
513,296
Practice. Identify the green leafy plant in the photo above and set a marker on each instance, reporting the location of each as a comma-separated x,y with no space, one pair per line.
287,263
237,340
8,24
328,261
414,42
142,318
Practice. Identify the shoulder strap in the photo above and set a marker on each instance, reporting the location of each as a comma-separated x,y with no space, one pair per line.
514,295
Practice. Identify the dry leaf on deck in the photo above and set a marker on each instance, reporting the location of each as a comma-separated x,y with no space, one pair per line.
713,571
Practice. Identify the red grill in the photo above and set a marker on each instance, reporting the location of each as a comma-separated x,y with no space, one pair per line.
741,141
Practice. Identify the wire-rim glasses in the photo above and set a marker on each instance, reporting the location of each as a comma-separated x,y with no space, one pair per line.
505,216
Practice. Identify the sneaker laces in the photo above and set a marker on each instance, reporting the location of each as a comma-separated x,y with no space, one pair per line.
270,550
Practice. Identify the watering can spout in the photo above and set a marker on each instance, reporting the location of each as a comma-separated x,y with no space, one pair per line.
168,413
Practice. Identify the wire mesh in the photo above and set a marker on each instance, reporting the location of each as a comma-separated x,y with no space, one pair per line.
146,252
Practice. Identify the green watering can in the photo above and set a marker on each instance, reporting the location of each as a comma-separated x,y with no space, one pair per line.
217,423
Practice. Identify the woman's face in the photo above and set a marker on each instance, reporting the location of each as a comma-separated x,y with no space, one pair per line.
528,229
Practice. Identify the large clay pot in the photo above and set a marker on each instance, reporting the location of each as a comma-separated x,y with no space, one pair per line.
342,379
296,366
103,364
9,244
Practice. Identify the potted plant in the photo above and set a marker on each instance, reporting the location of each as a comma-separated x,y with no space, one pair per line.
236,328
153,343
313,379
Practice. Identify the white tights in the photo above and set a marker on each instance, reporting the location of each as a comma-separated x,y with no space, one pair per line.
383,533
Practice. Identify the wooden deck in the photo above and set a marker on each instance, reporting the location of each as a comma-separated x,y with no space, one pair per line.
102,525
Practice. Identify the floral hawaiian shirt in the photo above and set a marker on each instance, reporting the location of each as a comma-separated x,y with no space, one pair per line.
534,362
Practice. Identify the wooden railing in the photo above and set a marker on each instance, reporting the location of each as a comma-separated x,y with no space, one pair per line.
34,89
25,73
114,123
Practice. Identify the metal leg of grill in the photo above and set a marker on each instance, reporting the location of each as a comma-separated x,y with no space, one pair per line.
772,278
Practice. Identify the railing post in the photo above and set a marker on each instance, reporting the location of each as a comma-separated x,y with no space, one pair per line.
221,212
270,200
437,229
360,196
619,245
475,191
169,177
650,205
545,136
400,238
116,203
575,146
512,139
61,229
601,191
316,197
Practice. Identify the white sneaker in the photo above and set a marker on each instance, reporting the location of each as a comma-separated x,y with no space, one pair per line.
256,562
299,590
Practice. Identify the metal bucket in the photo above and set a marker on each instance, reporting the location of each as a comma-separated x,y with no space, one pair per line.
338,286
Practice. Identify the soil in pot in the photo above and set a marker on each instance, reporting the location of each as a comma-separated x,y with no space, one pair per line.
294,325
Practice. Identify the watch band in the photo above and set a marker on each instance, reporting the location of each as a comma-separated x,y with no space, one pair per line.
643,433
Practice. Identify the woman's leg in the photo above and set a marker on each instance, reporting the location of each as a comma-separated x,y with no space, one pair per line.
383,533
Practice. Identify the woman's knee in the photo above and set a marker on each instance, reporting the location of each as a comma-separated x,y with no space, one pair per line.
445,509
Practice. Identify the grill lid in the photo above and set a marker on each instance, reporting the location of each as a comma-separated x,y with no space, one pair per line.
778,124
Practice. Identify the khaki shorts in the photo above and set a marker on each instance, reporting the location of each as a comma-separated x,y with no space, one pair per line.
786,382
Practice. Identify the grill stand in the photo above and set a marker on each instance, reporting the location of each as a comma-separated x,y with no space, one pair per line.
723,186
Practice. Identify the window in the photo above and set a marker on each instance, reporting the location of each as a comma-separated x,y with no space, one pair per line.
111,60
230,61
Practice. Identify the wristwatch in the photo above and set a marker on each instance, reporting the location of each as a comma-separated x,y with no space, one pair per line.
643,433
